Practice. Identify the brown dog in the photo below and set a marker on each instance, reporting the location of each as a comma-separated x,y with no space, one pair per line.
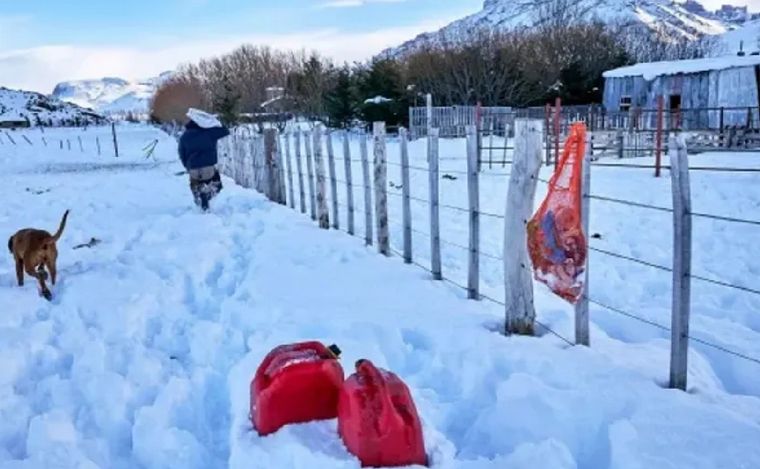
33,250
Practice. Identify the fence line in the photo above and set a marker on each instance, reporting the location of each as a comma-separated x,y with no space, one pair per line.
518,304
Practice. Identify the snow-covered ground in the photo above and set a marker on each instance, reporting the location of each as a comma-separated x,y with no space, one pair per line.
144,357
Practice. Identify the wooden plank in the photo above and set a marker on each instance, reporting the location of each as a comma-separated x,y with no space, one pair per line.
582,336
381,188
367,190
333,181
299,166
323,213
406,196
679,342
349,183
435,233
518,279
310,171
289,162
473,163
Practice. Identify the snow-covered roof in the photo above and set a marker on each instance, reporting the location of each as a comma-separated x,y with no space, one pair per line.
652,70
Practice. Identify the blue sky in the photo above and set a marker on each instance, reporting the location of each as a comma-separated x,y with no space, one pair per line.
46,41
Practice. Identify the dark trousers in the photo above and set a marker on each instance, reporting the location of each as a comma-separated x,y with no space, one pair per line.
205,184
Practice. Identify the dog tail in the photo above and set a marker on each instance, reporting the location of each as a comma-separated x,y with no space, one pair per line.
10,244
58,233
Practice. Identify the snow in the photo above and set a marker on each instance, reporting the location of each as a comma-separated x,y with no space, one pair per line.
111,95
145,356
378,100
661,16
17,105
652,70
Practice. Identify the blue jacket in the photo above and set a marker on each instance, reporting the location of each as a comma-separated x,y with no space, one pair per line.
197,146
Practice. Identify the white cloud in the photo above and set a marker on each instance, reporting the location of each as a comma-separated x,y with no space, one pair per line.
40,68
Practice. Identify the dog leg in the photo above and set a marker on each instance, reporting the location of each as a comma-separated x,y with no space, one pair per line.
44,291
20,272
52,269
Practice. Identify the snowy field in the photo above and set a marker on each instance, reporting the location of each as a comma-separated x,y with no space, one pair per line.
144,357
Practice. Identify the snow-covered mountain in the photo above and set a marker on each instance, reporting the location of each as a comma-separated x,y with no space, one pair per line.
111,95
684,18
38,109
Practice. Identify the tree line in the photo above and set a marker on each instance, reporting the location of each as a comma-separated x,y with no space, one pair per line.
562,58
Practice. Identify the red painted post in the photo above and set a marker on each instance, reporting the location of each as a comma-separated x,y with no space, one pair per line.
658,136
557,115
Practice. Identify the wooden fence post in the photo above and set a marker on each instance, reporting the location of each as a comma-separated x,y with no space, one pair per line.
299,167
44,141
473,157
367,190
333,181
518,280
349,183
31,144
435,233
381,189
68,144
115,140
582,336
406,200
620,138
289,162
97,143
272,165
679,342
323,214
81,147
310,170
658,136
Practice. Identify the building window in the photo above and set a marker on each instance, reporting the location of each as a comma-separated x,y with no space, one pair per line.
625,103
675,102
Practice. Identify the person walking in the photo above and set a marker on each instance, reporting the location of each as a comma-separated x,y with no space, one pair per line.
197,151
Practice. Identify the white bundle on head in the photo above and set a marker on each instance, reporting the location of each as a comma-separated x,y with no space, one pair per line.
203,119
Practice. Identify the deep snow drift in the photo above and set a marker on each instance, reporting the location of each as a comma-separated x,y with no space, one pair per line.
145,355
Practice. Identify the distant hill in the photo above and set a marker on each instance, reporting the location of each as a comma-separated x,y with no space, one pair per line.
38,109
111,95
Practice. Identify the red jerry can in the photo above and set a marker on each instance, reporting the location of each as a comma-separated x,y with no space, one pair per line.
377,419
296,383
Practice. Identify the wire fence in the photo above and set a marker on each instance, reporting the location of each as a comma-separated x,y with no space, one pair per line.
368,185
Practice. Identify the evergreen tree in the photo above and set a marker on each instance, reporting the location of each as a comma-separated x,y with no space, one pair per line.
384,80
226,102
341,101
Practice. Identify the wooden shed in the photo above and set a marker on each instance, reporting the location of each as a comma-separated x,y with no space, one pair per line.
707,92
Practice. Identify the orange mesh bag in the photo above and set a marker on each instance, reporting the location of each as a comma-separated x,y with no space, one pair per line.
556,242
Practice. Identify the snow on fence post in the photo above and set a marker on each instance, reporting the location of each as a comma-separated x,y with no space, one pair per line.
323,214
381,188
582,336
299,167
473,163
310,170
115,140
289,162
333,181
367,190
406,200
435,233
518,280
349,183
679,342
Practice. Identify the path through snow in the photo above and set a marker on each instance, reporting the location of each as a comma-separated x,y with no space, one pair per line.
145,355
